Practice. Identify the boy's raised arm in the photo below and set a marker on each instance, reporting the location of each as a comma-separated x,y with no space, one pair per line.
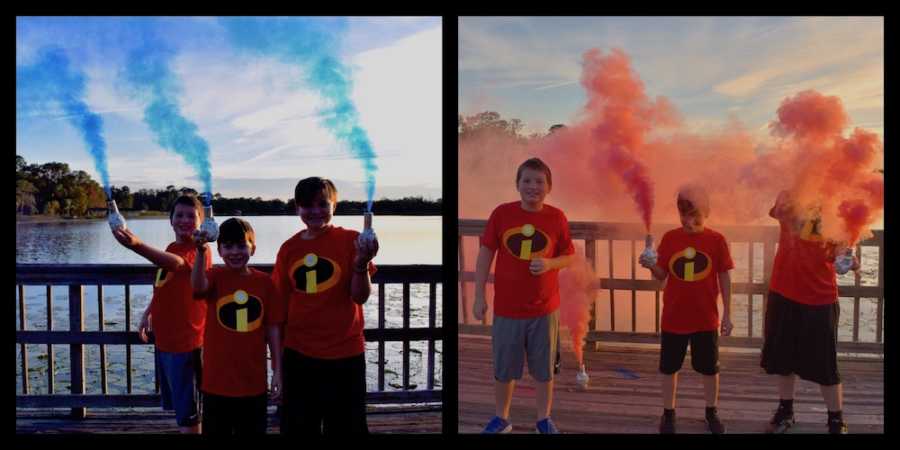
159,258
482,269
199,282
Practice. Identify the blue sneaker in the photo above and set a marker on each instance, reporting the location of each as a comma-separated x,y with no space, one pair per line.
497,425
546,426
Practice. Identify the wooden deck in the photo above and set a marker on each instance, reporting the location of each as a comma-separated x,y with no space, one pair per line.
155,420
614,403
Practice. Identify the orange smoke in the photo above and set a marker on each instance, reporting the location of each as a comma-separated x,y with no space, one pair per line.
575,302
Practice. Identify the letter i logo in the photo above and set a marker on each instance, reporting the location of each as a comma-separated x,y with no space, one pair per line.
525,249
689,254
241,297
310,261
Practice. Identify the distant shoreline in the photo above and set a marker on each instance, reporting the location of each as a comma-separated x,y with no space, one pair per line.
40,218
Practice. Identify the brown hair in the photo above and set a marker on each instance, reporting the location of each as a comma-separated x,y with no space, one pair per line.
535,164
693,197
237,231
188,200
308,188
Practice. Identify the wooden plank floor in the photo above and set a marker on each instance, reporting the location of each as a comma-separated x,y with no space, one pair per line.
614,403
155,420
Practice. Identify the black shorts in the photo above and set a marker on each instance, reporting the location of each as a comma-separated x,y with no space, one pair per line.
234,415
323,396
801,339
704,352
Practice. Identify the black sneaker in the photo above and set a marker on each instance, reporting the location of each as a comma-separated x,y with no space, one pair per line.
837,426
667,425
781,421
714,424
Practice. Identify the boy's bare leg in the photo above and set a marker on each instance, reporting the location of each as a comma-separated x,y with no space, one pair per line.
834,396
503,392
786,386
669,385
190,430
543,399
710,390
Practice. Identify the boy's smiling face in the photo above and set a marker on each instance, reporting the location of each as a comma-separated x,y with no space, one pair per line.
236,254
691,218
185,219
317,214
533,187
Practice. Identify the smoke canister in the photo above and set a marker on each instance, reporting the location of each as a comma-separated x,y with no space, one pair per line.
209,226
367,234
649,254
116,220
581,378
843,262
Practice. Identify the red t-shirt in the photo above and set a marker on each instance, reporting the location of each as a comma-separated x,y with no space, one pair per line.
519,236
313,278
177,319
803,270
239,308
693,262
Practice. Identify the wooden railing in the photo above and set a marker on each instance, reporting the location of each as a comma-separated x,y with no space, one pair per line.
591,233
75,277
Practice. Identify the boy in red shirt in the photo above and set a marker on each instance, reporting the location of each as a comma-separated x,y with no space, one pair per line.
177,320
323,276
802,313
244,313
532,241
695,262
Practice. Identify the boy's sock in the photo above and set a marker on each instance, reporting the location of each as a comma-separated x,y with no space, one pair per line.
787,405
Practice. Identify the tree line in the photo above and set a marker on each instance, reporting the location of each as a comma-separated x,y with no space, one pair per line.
55,190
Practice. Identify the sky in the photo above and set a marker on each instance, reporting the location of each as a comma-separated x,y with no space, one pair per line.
713,69
259,121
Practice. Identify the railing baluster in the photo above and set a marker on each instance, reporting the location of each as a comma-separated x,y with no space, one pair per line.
432,320
656,294
612,293
76,355
633,290
590,253
381,362
50,365
750,295
23,349
879,321
103,385
128,346
462,282
406,339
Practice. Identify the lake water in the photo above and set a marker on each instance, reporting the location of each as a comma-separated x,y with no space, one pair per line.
402,239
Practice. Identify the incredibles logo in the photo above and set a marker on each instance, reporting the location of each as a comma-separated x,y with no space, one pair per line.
162,277
315,274
239,312
526,242
811,230
690,265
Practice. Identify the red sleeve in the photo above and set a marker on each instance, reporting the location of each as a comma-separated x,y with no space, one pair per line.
275,311
208,257
663,253
211,277
724,260
280,281
564,246
489,238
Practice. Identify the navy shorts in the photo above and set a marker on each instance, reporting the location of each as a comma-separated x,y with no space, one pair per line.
179,382
801,339
704,352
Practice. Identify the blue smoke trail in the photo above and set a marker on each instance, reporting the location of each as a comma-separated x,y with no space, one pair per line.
147,70
312,44
52,79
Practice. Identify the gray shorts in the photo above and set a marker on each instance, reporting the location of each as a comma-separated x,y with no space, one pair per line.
514,339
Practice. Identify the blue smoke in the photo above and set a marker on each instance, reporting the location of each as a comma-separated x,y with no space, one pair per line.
312,43
147,71
51,79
